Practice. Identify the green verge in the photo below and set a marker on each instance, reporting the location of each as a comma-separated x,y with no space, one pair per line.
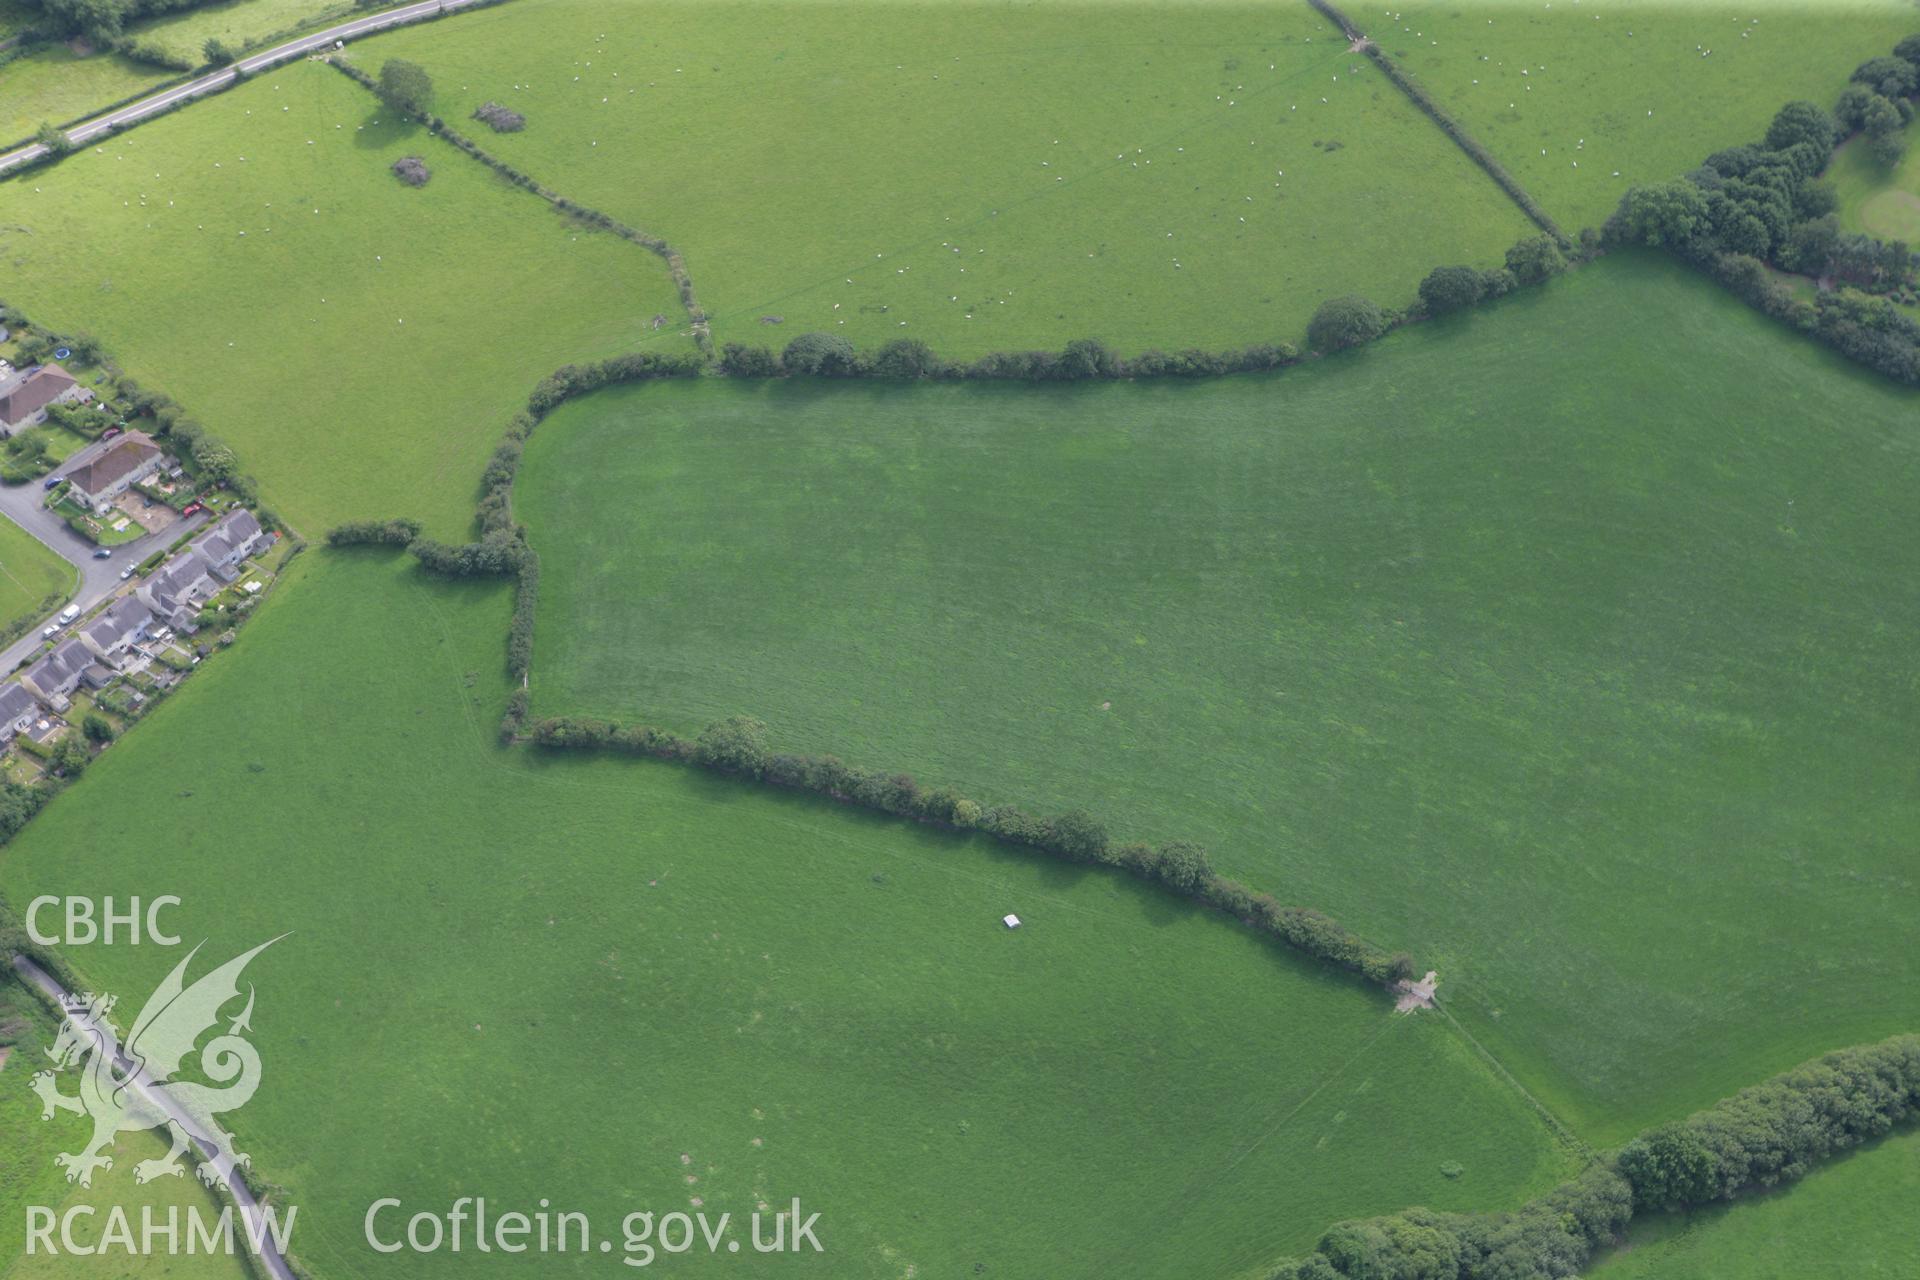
359,358
521,977
30,573
1556,643
985,177
1852,1218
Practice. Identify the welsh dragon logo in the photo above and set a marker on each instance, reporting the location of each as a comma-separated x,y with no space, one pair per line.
126,1087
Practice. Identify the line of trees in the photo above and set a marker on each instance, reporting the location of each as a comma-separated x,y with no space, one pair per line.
1338,324
1763,1135
1752,207
738,746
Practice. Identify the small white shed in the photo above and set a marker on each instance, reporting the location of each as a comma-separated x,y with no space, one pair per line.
1011,921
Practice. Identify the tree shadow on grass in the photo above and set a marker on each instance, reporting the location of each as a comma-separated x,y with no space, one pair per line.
383,127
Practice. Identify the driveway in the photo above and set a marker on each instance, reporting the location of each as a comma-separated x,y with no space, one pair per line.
22,504
216,80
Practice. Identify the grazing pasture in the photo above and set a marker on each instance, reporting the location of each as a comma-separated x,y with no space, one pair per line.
1561,643
1567,95
357,341
1852,1218
54,85
981,176
29,573
238,22
694,993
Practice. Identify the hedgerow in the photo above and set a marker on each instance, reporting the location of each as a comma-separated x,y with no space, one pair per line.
1749,207
1763,1135
737,746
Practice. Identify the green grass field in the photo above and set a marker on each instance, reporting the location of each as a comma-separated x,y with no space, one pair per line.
978,176
1853,1218
1873,199
29,573
53,85
801,1000
1561,644
358,342
1628,87
238,22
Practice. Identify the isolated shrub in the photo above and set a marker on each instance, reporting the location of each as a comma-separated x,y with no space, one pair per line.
500,118
819,354
411,170
1344,322
406,87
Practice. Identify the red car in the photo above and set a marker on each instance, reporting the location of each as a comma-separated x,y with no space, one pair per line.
110,433
193,508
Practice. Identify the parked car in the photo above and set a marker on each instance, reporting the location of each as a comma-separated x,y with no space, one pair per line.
193,509
126,573
110,433
68,614
102,553
53,629
54,482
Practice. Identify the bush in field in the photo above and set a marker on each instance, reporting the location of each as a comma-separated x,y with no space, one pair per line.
1535,259
1799,122
825,355
406,87
1344,322
1451,289
904,360
411,170
749,362
501,119
737,744
1890,77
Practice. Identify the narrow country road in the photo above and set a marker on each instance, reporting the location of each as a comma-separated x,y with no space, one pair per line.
23,505
216,80
141,1083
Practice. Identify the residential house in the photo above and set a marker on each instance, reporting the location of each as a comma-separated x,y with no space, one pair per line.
176,590
112,635
62,671
18,710
24,396
114,470
233,538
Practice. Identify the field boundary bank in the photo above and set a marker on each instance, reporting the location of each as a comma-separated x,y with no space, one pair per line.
1445,122
1766,1135
1560,1128
584,214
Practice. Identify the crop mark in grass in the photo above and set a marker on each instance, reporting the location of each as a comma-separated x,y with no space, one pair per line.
1552,1121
